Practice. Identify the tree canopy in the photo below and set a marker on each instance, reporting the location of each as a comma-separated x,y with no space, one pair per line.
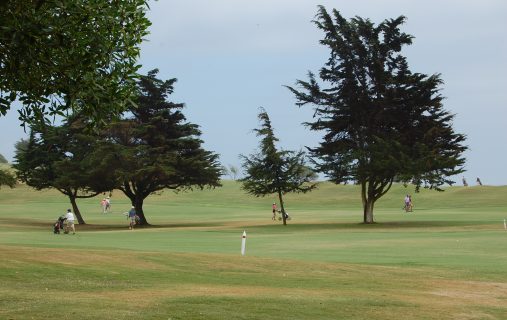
69,55
154,147
381,122
2,159
273,171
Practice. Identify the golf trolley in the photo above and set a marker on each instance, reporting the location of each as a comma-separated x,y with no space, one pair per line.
287,217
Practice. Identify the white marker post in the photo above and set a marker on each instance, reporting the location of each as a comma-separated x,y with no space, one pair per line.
243,243
504,224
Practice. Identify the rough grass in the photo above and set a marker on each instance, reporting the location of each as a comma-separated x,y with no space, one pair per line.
445,261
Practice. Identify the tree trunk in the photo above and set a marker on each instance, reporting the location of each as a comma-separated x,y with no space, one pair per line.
136,199
363,193
368,198
368,211
73,202
138,204
282,208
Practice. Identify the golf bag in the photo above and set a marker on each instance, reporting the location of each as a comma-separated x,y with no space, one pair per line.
287,217
58,225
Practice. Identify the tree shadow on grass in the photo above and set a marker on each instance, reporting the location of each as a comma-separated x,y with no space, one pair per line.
182,225
379,226
24,224
107,227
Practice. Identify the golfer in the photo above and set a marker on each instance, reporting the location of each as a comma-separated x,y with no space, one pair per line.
407,203
103,204
108,204
70,222
132,218
274,211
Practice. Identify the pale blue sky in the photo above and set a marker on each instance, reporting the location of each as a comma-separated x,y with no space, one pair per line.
233,56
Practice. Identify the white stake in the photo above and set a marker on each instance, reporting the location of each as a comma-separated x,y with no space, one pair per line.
504,224
243,243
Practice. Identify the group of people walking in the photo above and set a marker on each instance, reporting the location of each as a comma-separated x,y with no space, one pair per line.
275,210
106,205
66,221
132,216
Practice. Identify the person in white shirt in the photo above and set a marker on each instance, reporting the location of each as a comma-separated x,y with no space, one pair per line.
70,222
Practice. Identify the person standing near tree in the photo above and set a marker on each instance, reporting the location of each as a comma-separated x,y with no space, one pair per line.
132,218
70,222
103,204
274,211
108,204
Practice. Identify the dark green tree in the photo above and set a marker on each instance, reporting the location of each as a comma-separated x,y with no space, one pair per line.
381,122
273,171
58,157
58,56
7,178
154,147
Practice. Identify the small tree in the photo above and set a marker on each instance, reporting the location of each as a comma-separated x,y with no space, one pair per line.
225,171
2,159
382,123
155,148
275,171
234,171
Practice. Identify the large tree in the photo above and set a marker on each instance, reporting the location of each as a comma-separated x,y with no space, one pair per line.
381,122
154,147
273,171
58,157
58,56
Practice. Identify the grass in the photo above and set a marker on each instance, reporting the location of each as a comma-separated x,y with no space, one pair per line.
444,261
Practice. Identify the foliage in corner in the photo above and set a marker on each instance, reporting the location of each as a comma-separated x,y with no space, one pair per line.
69,57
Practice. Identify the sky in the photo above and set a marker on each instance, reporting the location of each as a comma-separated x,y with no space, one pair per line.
232,57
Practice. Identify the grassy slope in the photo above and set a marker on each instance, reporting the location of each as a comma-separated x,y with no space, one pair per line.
445,261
